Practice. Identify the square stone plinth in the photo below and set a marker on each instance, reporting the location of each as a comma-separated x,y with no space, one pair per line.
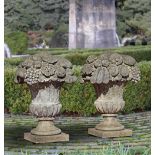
110,134
46,139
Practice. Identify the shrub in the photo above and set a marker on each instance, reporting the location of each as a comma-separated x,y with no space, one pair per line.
58,51
138,96
13,62
78,57
140,54
17,97
17,42
79,98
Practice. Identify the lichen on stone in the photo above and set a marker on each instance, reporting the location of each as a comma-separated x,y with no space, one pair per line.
110,67
44,67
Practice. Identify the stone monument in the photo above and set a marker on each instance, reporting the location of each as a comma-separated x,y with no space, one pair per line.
108,73
92,24
45,74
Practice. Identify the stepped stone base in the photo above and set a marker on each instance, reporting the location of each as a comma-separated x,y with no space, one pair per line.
46,139
110,134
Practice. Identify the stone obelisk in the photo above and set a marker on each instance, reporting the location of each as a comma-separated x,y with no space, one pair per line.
92,24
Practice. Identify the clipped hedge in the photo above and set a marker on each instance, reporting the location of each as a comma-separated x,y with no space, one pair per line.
59,51
12,62
17,42
79,98
138,96
140,54
17,97
78,57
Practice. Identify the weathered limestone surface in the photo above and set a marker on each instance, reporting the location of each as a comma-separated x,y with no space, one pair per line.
45,74
45,127
92,24
108,69
45,99
44,68
108,73
110,134
46,139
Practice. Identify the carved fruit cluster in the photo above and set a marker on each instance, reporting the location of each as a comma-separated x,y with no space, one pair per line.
44,67
110,67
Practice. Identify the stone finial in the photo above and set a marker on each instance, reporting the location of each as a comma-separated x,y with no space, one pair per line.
44,67
108,73
45,75
110,67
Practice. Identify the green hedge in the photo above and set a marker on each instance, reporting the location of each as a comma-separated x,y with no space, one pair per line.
78,57
17,97
139,53
79,98
58,51
138,96
17,42
12,62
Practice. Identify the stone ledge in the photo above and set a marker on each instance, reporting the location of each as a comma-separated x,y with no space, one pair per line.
46,139
110,134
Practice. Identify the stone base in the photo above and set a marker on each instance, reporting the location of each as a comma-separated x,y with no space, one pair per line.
46,139
110,134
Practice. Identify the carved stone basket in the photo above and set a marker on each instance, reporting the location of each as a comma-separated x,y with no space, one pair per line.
108,73
45,74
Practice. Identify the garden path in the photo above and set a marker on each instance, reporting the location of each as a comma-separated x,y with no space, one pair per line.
76,127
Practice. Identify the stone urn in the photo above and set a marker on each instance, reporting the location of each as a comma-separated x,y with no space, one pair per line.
109,73
45,74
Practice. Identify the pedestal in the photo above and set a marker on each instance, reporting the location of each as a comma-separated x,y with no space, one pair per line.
62,137
46,132
45,127
110,127
109,123
110,134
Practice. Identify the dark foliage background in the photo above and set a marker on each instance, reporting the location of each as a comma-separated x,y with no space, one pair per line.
133,18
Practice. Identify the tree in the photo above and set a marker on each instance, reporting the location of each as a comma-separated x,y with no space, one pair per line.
133,17
35,14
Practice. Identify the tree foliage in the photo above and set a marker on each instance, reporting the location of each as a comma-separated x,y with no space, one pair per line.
34,14
134,17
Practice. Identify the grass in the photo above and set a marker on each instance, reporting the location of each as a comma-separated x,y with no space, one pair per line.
118,149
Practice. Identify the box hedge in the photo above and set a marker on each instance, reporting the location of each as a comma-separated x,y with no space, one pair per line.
79,98
78,57
140,53
59,51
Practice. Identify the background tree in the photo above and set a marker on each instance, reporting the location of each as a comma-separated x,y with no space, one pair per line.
133,16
